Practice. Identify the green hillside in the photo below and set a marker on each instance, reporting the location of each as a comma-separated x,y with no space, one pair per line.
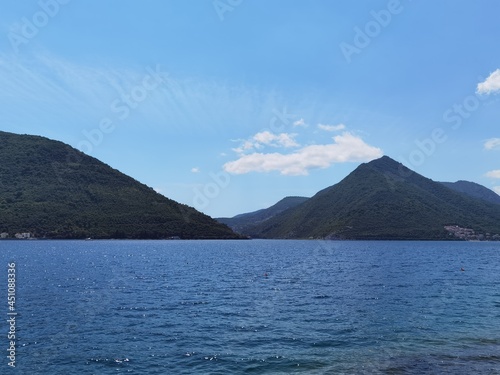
52,190
474,190
239,223
382,200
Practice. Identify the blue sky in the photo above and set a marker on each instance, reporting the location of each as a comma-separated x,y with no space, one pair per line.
231,105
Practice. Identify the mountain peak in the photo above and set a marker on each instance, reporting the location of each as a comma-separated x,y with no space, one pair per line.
382,199
51,190
385,163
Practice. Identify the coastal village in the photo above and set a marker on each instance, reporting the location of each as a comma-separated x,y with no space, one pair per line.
468,234
465,234
18,236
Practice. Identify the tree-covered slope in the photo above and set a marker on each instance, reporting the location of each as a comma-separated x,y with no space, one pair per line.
474,190
241,223
382,200
52,190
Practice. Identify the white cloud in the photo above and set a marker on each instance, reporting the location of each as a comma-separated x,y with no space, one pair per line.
496,189
491,84
491,144
195,170
331,128
300,122
276,140
266,138
493,174
245,146
345,148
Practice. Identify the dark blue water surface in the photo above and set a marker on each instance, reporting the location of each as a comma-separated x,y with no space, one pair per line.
256,307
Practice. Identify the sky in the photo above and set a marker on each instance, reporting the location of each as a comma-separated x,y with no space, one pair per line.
230,105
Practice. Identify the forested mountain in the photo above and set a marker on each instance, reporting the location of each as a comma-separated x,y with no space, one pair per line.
383,199
52,190
241,223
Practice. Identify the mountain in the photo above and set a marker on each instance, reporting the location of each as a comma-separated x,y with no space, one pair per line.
474,190
241,223
52,190
383,199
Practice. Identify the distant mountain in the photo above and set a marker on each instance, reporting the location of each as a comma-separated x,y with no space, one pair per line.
474,190
383,199
52,190
241,223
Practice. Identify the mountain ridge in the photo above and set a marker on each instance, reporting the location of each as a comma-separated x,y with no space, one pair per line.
474,190
239,222
382,199
51,190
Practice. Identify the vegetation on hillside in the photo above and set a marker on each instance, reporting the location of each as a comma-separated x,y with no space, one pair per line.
239,223
474,190
52,190
382,200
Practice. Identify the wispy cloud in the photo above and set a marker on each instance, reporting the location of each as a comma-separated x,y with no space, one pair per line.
67,97
46,79
492,144
491,84
493,174
195,170
266,138
276,140
345,148
331,128
300,123
60,97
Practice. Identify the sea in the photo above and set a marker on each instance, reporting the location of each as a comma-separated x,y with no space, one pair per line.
250,307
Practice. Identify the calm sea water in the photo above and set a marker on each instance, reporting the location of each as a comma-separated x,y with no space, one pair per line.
256,307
